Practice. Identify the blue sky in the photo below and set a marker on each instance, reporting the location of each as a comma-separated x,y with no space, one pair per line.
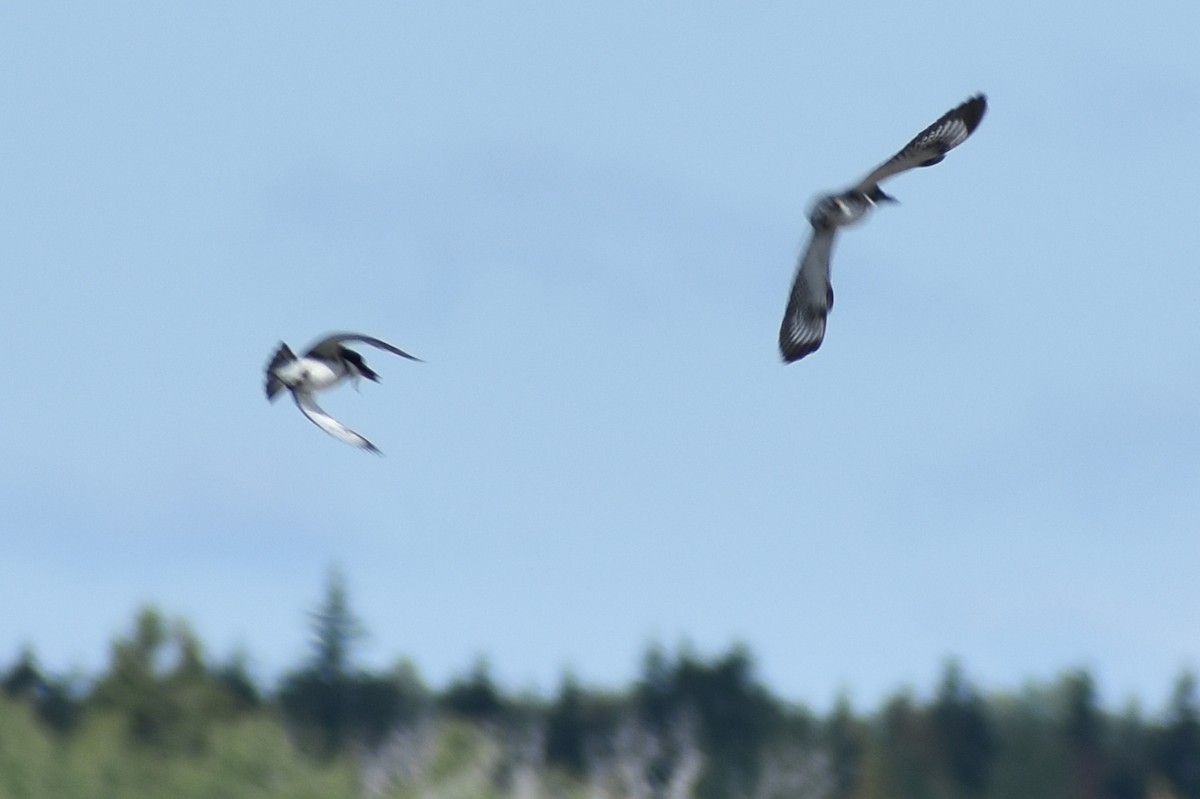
586,222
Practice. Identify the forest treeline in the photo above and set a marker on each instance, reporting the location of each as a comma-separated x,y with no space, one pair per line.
165,720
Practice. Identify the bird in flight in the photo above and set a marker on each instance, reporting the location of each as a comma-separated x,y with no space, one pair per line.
803,325
326,364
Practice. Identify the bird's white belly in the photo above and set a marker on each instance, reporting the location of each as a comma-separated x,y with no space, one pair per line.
835,210
854,215
308,374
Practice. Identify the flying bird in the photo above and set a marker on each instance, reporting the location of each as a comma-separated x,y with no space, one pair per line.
326,364
803,325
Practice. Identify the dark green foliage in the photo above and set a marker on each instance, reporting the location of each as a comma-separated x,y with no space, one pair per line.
579,726
318,700
1129,764
1178,751
567,728
1083,731
57,706
1082,720
242,691
1032,757
734,714
24,680
332,706
962,732
379,703
843,737
163,721
158,683
474,697
905,752
331,716
51,699
318,712
336,630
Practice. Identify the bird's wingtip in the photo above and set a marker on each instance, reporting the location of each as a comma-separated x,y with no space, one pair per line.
974,109
790,351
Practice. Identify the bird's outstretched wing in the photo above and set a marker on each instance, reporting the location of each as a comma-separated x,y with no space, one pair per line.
328,346
333,427
931,145
803,325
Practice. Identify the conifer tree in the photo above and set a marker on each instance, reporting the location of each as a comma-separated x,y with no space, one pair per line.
1178,750
963,733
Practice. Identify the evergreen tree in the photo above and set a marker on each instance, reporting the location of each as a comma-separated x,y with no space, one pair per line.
235,677
318,699
1129,759
380,703
24,680
1178,749
566,728
51,698
1083,730
336,630
1031,758
158,683
735,715
653,693
963,733
843,738
475,696
738,718
331,704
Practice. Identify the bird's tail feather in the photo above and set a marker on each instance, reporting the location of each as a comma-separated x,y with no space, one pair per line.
282,357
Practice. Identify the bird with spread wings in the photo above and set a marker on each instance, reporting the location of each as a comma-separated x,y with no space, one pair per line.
326,364
803,326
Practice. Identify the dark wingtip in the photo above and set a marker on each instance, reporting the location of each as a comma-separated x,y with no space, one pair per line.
791,356
973,111
791,352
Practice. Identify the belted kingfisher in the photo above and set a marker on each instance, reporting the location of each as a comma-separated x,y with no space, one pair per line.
803,325
325,365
